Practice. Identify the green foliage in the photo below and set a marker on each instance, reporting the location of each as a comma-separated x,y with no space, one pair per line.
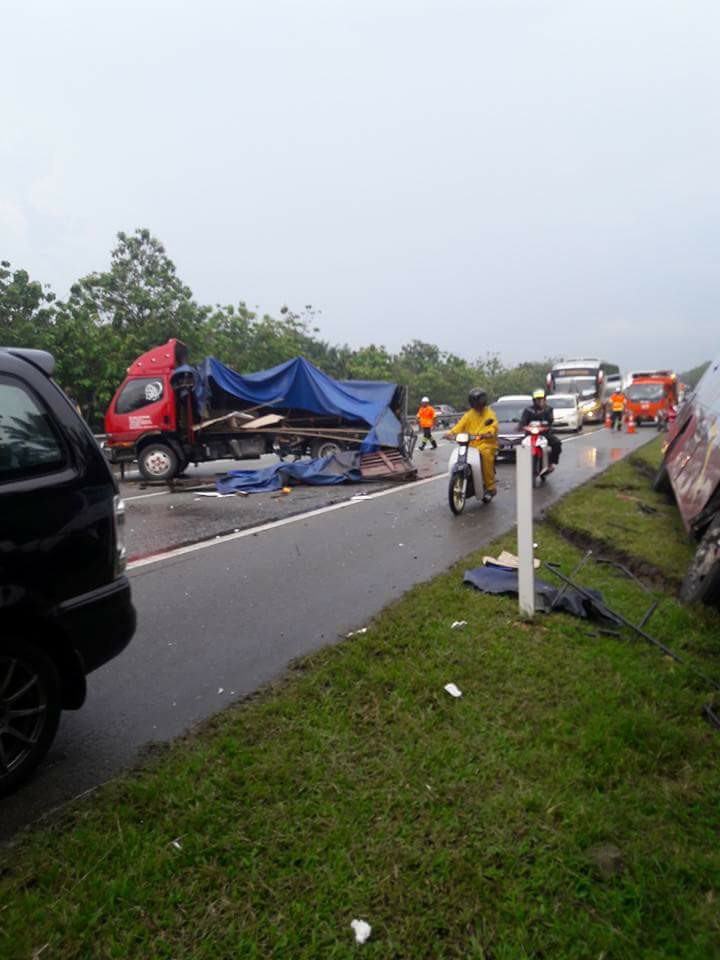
139,302
693,377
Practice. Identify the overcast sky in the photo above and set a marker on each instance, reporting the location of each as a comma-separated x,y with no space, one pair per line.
531,177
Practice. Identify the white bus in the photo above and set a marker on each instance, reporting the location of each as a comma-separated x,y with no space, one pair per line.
586,378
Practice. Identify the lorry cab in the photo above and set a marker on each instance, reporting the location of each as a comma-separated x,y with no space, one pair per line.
650,394
143,420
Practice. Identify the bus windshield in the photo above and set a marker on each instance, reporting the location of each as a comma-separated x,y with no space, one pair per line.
585,386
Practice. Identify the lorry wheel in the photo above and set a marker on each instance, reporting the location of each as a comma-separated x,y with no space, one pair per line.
661,483
158,461
324,448
30,704
702,580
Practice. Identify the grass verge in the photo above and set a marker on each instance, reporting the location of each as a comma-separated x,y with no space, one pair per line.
620,514
564,807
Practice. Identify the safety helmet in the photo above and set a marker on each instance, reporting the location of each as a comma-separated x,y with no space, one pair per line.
477,398
538,395
425,400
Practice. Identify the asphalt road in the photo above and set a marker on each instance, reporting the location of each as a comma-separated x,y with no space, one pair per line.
219,618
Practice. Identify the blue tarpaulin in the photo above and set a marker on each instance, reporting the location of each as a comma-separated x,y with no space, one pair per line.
325,471
298,385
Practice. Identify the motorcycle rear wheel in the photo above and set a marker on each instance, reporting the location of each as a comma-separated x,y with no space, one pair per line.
457,493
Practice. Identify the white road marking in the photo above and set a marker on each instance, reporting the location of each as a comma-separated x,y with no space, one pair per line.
251,531
275,524
144,496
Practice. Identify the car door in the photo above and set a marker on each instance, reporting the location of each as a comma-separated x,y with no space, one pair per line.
56,494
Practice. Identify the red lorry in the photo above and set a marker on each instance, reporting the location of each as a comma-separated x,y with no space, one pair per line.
691,471
167,414
650,394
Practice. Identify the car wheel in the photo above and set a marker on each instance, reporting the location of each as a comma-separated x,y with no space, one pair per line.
661,483
30,705
702,580
158,461
578,428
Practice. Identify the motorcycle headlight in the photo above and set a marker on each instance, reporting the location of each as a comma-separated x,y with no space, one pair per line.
463,438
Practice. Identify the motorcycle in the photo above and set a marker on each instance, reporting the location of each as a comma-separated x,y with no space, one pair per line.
666,418
465,468
539,449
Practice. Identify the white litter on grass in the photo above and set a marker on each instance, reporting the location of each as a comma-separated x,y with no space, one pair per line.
456,624
362,930
176,844
357,633
452,690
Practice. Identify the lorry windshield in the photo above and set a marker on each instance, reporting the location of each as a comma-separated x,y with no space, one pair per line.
650,392
140,392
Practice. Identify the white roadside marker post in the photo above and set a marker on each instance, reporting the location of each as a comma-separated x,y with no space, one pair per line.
524,493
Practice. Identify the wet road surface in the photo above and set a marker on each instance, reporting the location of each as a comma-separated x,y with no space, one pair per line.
224,616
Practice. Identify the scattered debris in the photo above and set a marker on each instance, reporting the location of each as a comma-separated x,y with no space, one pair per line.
457,624
176,843
357,633
452,690
607,858
221,690
507,559
362,930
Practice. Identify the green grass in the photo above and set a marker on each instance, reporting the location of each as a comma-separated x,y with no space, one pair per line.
608,513
458,828
649,456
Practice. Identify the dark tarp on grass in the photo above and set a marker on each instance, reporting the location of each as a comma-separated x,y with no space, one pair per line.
299,385
323,472
505,580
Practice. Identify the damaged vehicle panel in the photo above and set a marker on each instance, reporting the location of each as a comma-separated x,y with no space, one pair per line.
691,471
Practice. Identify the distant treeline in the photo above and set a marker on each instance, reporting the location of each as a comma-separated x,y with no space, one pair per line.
692,377
139,302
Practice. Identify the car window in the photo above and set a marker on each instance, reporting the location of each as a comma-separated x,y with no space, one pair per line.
138,393
562,403
508,412
29,442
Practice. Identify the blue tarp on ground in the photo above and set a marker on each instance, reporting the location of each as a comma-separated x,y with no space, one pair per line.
300,385
323,472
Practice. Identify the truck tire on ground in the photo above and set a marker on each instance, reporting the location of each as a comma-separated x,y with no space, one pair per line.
661,483
702,580
30,704
158,461
324,448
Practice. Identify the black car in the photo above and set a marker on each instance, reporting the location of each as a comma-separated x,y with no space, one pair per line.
508,410
65,605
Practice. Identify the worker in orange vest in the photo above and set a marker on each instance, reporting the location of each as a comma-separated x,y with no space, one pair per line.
426,421
617,408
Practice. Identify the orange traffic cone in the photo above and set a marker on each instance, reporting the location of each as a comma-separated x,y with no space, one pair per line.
608,419
630,422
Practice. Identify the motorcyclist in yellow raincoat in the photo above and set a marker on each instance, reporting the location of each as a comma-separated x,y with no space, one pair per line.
480,419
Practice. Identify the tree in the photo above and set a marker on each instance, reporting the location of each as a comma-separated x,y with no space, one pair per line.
26,309
140,296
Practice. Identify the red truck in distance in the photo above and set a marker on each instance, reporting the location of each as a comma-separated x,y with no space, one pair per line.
650,394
